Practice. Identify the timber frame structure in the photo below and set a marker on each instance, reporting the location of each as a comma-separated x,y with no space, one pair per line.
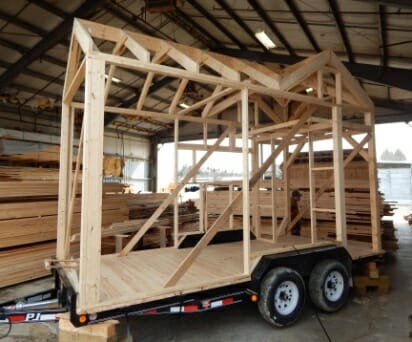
242,93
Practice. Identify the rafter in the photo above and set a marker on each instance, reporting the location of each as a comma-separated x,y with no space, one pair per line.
239,21
302,23
341,27
383,35
215,22
48,41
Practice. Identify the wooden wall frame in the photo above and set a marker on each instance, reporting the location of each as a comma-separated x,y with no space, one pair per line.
291,117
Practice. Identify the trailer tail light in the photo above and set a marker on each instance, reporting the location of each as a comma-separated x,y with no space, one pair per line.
82,319
254,298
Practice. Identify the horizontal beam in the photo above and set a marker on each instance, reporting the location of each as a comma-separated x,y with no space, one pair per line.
395,77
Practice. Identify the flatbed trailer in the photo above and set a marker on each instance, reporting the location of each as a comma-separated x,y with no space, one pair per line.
250,102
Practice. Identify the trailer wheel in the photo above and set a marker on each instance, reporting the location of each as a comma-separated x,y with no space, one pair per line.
282,296
329,285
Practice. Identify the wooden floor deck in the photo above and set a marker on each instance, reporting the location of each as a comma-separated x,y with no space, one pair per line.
140,276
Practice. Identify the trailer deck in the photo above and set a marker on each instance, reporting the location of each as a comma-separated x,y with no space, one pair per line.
249,108
139,277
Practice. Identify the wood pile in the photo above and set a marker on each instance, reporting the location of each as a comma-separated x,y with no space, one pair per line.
28,219
356,199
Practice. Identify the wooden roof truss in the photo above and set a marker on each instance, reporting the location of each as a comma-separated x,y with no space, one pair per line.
247,100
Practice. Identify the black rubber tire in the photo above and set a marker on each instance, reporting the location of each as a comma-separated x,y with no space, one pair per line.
277,279
318,287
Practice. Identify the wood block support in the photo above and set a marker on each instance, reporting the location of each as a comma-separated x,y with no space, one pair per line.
101,332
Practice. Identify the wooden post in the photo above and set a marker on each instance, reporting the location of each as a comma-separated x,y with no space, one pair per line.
312,191
175,180
90,235
338,164
230,200
245,181
373,185
273,186
255,190
65,176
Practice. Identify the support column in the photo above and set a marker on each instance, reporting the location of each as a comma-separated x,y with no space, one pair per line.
153,165
245,182
373,185
65,179
90,235
175,180
338,164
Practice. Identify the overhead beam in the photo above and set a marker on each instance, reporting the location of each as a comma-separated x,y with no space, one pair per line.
240,22
342,31
47,6
383,35
215,22
302,23
268,21
393,3
395,77
198,27
48,41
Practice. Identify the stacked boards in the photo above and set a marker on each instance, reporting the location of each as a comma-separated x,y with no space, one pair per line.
28,219
357,200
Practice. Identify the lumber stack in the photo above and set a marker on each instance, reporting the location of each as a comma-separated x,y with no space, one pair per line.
357,201
28,219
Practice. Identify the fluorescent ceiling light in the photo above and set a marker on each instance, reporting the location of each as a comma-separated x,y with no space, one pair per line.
309,90
265,40
114,79
183,105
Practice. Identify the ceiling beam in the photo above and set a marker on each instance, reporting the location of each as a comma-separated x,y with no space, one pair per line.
383,35
395,77
23,50
47,6
212,40
128,19
240,22
342,31
218,25
393,3
22,23
48,41
268,21
302,23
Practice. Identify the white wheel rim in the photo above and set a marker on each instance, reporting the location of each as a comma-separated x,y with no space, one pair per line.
286,297
334,286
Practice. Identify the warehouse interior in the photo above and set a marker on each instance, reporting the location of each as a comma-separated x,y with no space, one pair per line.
372,39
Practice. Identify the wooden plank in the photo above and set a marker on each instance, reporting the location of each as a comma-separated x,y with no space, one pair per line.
312,191
351,84
296,73
207,237
172,195
245,181
65,174
339,179
137,49
83,37
89,273
374,194
147,114
117,50
208,79
75,83
178,95
267,110
181,58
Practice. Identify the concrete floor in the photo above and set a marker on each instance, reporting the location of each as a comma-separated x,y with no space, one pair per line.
373,318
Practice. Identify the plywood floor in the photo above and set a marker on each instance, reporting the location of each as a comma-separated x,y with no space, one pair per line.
139,276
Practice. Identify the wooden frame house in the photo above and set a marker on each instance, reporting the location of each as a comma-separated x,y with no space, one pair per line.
250,101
